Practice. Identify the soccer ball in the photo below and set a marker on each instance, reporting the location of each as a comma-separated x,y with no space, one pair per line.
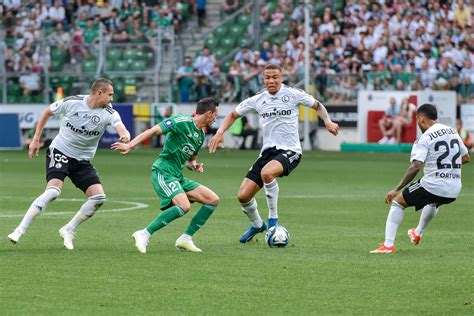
277,236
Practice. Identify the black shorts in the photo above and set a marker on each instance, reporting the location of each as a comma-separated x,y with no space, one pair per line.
81,172
415,195
289,159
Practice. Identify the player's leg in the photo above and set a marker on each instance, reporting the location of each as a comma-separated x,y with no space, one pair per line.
394,220
209,201
270,172
282,164
84,176
39,205
247,200
57,166
173,202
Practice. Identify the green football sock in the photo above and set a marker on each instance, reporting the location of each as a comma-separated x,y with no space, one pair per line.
199,219
165,217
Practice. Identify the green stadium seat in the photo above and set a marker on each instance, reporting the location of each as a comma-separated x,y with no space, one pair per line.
244,20
56,65
228,43
38,98
12,99
121,65
149,58
14,89
138,65
114,53
185,10
130,54
235,31
319,9
210,43
26,99
225,66
57,54
339,5
220,32
89,66
109,65
220,53
244,41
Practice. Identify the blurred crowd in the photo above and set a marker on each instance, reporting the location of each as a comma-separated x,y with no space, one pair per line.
71,28
374,45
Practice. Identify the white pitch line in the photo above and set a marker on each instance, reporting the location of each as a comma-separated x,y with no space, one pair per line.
134,206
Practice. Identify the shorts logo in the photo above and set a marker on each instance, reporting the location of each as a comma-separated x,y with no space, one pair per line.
285,98
168,123
95,119
58,165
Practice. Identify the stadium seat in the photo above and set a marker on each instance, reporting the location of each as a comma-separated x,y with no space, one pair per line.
244,41
149,58
26,99
12,99
210,43
220,33
220,53
129,54
89,66
109,65
138,65
13,89
56,65
244,20
225,66
228,43
121,65
235,31
114,53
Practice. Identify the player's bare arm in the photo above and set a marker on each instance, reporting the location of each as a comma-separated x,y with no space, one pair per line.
33,149
124,134
332,127
124,148
410,174
193,165
466,159
218,138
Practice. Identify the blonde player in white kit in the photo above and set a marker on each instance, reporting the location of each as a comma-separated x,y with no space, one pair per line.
277,108
441,150
85,118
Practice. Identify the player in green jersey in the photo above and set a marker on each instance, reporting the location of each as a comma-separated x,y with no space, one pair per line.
183,141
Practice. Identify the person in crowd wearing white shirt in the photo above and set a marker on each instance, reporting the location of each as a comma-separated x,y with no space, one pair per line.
85,118
277,109
442,152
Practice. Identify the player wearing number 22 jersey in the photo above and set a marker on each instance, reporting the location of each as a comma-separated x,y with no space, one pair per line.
441,150
184,138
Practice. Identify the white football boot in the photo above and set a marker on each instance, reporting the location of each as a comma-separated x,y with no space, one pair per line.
68,236
186,243
141,240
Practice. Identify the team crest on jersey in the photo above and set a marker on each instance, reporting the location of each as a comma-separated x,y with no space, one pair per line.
285,98
196,134
95,119
169,123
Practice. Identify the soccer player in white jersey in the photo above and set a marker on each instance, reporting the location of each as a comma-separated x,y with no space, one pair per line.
85,118
277,108
441,150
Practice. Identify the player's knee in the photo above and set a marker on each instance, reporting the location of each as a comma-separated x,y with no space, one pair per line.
98,200
52,192
213,200
243,197
267,177
185,207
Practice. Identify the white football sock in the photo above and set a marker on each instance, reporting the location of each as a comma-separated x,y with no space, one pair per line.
394,219
271,193
428,213
250,209
38,206
86,211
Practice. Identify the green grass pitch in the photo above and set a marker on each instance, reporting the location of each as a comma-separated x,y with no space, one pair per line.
333,206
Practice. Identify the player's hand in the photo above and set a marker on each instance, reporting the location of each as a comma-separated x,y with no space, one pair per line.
33,149
193,166
332,128
216,140
121,147
390,196
124,139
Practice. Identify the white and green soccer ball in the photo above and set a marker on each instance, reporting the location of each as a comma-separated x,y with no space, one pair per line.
277,236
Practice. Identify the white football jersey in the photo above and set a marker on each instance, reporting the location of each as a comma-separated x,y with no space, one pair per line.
81,128
278,116
441,149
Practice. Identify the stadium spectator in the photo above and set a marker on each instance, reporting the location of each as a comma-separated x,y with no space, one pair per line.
203,64
248,131
230,6
387,122
185,76
57,13
201,12
465,135
217,80
403,119
30,83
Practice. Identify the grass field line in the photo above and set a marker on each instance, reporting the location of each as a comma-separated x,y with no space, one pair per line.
132,206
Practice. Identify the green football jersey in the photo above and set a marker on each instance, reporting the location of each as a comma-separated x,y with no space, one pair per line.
183,140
